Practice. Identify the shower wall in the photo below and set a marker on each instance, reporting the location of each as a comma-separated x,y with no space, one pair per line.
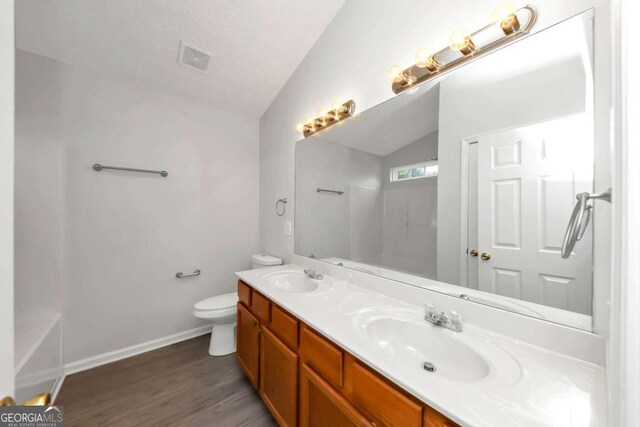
410,211
126,234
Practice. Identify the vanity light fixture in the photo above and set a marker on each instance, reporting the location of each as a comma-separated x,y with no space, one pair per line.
426,59
464,46
461,41
504,16
339,111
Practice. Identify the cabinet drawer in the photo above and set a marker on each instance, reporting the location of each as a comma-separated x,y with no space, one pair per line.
244,293
284,326
433,418
260,307
381,401
322,356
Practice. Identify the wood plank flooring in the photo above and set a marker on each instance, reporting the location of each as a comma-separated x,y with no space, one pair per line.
178,385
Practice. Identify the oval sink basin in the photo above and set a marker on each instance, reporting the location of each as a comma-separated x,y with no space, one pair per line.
293,282
408,340
422,343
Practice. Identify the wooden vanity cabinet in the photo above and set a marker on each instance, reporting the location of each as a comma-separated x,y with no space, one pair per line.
304,379
279,379
248,344
321,405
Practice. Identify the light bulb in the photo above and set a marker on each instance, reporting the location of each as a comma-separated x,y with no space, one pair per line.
502,11
337,105
300,127
422,56
461,41
395,74
426,59
504,16
322,113
309,121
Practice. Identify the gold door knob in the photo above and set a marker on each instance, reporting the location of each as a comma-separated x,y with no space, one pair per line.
474,252
42,399
7,401
486,256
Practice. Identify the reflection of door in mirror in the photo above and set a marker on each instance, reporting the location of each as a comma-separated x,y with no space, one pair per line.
527,179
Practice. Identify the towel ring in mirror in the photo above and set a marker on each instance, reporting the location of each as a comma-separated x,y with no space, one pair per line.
284,206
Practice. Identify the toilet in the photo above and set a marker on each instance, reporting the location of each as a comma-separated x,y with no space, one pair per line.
221,311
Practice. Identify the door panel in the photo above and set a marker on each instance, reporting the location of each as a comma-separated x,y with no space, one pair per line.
279,379
528,179
248,344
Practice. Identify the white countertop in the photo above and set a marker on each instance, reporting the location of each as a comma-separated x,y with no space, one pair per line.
550,389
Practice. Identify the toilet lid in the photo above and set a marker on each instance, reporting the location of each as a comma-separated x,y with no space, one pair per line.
219,302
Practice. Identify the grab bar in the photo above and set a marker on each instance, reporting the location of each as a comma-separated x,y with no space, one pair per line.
98,167
181,275
580,219
322,190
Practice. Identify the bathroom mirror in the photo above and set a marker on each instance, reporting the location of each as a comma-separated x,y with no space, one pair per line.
465,185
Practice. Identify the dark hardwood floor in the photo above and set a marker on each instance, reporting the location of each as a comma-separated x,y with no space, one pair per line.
178,385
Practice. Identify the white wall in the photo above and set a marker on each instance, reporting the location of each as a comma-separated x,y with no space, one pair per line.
6,195
350,61
127,234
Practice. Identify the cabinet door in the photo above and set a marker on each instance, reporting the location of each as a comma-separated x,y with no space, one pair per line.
248,344
279,379
382,401
321,405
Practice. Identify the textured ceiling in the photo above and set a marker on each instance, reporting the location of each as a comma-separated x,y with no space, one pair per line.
256,45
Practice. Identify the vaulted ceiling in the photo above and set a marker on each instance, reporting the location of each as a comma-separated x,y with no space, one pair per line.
255,45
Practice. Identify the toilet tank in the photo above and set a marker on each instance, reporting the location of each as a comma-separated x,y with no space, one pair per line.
264,260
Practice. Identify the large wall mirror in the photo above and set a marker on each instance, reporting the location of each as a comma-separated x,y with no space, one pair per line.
466,185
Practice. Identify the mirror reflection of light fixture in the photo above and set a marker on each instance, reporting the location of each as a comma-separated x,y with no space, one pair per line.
324,119
512,23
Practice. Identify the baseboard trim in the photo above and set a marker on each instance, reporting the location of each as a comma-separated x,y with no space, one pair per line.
113,356
56,388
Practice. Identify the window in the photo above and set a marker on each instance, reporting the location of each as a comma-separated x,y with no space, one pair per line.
420,170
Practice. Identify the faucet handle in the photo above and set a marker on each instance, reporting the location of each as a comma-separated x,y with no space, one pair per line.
429,309
456,320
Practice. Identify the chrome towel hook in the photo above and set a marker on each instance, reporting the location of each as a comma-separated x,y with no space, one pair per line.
284,206
580,219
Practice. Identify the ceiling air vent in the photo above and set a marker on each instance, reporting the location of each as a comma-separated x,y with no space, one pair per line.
194,58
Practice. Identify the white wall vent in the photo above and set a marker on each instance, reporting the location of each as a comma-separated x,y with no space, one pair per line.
194,58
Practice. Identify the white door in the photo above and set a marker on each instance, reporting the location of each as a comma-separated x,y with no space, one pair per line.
7,374
528,178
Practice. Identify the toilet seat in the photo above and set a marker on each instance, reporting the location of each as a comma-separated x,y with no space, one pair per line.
216,307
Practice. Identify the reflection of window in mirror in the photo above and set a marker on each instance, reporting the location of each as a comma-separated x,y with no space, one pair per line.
420,170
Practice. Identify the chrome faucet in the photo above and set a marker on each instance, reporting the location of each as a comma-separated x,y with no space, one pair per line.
451,320
313,273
